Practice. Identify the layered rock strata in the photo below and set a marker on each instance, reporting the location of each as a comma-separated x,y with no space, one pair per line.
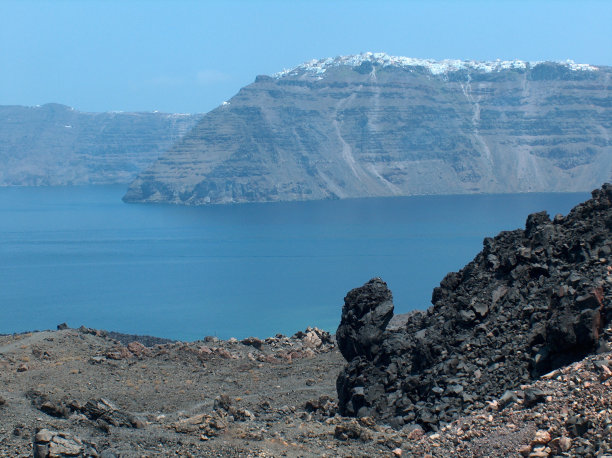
376,125
55,145
531,301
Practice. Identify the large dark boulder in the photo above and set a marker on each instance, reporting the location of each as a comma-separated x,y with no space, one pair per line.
531,301
367,311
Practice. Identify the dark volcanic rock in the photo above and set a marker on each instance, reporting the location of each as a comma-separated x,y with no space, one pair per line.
533,300
102,410
365,315
147,341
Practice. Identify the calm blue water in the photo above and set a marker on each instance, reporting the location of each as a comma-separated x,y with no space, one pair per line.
82,256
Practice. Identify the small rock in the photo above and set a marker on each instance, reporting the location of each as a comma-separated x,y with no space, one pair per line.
555,445
539,452
541,438
57,444
565,443
533,396
467,315
44,435
351,431
222,402
311,339
223,353
255,435
367,421
325,406
136,348
54,410
508,398
65,445
604,368
118,354
416,433
481,308
105,413
455,389
253,342
525,450
62,326
138,423
577,426
397,452
22,367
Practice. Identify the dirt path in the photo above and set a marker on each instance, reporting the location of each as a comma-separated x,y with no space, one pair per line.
12,343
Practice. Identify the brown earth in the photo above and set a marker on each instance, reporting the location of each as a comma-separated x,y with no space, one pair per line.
261,398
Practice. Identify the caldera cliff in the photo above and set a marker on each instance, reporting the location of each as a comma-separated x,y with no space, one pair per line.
377,125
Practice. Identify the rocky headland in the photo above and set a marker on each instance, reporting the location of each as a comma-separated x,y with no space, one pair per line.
512,359
375,125
55,145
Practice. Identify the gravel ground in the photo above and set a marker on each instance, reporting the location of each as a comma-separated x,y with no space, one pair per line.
86,393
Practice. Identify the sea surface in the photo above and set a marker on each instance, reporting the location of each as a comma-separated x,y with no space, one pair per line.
82,256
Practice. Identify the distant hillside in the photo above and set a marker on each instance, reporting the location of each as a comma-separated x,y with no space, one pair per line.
53,144
376,125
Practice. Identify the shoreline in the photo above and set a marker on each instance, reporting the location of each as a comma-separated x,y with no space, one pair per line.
150,341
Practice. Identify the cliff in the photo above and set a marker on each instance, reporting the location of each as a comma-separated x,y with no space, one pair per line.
376,125
53,144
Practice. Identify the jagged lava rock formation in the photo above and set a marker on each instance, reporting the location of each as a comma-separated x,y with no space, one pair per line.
54,145
376,125
533,300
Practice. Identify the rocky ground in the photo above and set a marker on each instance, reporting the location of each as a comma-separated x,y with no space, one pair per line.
82,393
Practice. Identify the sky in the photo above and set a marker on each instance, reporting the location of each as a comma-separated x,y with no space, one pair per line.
190,56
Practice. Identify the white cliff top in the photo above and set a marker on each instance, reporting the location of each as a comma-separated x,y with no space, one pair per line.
436,67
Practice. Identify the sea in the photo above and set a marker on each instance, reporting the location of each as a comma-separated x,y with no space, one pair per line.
82,256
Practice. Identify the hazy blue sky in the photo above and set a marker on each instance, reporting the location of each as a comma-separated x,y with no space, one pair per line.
189,56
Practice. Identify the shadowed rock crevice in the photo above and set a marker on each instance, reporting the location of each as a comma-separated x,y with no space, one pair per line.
531,301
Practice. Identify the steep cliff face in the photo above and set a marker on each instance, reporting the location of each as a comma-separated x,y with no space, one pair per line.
375,125
532,301
56,145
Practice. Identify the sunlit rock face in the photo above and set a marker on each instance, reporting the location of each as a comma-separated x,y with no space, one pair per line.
377,125
55,145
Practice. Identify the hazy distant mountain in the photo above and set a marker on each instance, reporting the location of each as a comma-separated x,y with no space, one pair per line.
376,125
55,145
